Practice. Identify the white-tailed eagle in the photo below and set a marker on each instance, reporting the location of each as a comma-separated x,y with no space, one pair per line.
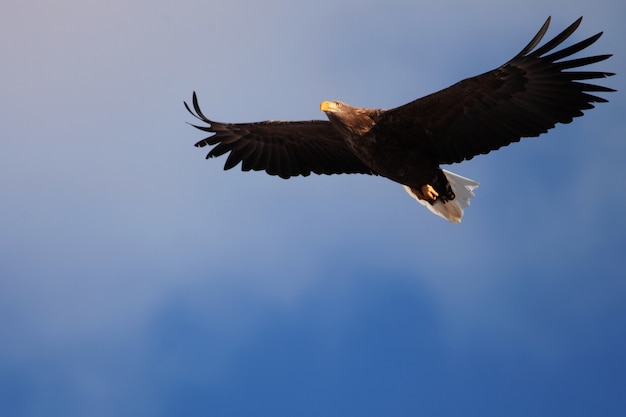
525,97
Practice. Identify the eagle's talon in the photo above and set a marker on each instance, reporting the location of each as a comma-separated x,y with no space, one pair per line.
429,192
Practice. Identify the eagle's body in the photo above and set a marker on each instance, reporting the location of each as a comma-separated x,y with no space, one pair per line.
523,98
394,150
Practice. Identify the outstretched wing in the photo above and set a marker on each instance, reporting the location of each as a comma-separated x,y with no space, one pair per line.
286,149
523,98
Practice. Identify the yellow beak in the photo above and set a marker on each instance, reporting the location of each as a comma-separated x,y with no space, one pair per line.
327,106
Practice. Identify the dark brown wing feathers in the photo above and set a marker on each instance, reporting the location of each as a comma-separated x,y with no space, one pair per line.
280,148
523,98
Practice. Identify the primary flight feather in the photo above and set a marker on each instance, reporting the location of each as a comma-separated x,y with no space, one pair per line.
525,97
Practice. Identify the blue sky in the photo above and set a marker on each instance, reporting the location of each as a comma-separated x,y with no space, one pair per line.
136,278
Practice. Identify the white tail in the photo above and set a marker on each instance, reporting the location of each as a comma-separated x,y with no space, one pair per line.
452,210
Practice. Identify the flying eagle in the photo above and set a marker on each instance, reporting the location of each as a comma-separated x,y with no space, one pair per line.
522,98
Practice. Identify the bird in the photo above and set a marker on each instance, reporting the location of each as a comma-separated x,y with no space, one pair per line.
525,97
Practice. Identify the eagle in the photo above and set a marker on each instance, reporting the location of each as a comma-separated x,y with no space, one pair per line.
538,88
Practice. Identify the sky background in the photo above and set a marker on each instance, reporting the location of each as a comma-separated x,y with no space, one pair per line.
138,279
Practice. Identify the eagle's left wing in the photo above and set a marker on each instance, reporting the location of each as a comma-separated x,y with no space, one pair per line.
523,98
286,149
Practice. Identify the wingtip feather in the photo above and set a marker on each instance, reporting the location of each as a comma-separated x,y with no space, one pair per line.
536,39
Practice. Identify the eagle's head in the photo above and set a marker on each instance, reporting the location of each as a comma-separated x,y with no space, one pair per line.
353,120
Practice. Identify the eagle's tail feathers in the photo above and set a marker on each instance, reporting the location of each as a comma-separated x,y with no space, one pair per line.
452,210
